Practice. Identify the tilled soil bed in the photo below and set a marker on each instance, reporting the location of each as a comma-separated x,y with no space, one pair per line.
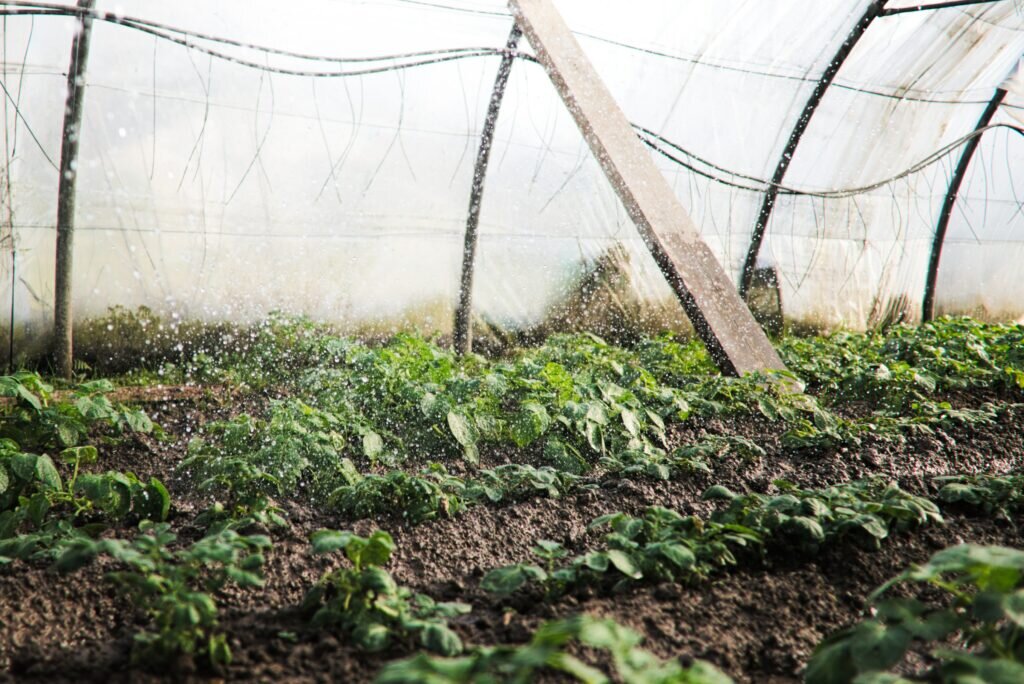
758,622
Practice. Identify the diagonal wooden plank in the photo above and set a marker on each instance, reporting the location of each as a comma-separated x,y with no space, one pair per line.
721,319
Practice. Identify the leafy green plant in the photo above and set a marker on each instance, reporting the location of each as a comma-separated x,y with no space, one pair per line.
176,588
982,606
660,546
1000,494
548,651
299,447
33,494
516,481
431,494
864,511
37,420
365,603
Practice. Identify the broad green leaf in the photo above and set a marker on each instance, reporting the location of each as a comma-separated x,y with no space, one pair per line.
67,434
158,500
462,429
38,507
1014,607
24,466
622,561
509,579
137,421
220,652
830,664
373,637
373,445
678,554
325,541
529,424
80,454
440,639
630,422
806,528
576,668
874,646
379,548
47,473
718,493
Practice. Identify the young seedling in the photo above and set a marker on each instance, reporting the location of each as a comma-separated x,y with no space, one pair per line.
176,589
364,603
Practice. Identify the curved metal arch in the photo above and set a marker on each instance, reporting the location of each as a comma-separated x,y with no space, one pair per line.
873,11
928,302
462,329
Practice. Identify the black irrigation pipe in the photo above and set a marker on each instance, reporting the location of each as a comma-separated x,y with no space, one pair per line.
928,302
462,335
757,236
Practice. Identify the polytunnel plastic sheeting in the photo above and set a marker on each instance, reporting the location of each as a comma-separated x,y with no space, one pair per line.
211,189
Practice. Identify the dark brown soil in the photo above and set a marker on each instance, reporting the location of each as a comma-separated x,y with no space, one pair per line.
759,623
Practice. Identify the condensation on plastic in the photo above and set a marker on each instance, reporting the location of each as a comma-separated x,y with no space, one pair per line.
211,190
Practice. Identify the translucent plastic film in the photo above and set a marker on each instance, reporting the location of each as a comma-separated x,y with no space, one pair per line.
225,181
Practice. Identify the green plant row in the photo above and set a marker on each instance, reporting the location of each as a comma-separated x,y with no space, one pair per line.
246,461
663,545
973,619
175,587
39,507
576,402
548,650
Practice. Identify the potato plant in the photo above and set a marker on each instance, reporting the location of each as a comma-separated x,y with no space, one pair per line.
366,604
39,507
547,651
576,403
660,546
663,545
38,421
433,493
175,587
972,618
1001,495
805,519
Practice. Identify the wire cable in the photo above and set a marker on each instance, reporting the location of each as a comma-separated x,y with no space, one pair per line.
654,141
50,9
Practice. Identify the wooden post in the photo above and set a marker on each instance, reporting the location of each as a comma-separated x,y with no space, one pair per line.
462,335
62,315
734,339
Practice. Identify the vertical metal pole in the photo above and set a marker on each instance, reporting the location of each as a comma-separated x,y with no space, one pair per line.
62,315
928,303
757,237
463,328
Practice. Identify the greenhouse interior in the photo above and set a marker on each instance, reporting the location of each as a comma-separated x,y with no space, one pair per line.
456,341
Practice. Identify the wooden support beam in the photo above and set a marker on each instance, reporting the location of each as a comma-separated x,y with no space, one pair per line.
62,316
721,319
